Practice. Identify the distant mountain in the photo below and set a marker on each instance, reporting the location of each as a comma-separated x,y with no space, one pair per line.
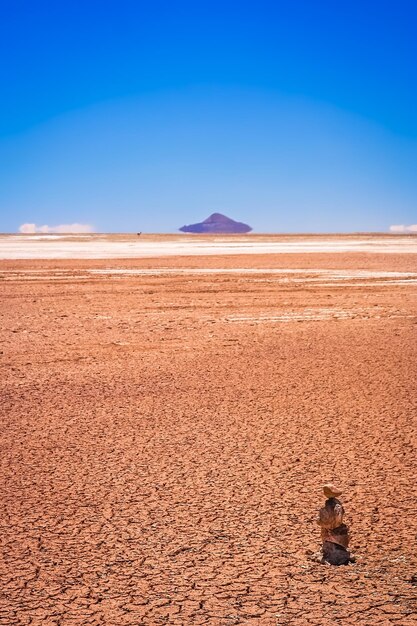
217,224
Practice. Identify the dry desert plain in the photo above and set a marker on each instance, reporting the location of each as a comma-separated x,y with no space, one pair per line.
168,419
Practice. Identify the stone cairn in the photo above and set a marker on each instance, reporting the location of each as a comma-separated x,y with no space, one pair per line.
334,532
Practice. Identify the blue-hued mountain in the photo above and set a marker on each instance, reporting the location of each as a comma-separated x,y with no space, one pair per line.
217,224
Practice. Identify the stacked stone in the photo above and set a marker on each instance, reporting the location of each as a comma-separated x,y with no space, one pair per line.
334,532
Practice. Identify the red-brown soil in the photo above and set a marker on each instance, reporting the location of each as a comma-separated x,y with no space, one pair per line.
165,438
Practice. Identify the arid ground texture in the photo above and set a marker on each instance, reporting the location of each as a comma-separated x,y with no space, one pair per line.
167,424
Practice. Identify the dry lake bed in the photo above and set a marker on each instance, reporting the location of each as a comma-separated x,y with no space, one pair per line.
171,406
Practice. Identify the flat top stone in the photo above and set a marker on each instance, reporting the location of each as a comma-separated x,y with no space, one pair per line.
330,491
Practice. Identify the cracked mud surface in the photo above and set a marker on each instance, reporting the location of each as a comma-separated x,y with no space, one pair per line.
164,438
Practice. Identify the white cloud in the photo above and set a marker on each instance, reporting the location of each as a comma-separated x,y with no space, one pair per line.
30,229
402,228
27,229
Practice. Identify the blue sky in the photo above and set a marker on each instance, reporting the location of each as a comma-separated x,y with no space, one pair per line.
291,116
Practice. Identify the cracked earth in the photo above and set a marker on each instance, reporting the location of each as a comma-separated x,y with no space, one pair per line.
165,436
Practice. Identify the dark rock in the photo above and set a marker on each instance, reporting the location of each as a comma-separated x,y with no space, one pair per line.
217,224
334,554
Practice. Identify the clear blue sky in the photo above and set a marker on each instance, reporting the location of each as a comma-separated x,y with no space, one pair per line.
292,116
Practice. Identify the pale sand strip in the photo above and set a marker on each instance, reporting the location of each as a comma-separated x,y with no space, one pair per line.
316,277
102,247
